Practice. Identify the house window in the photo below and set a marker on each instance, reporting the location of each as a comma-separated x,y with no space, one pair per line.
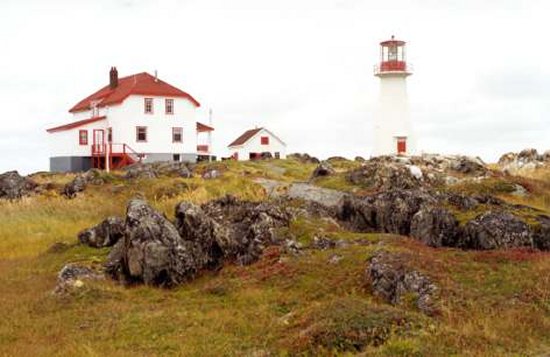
169,106
141,134
177,135
265,140
109,135
83,137
148,105
277,155
176,157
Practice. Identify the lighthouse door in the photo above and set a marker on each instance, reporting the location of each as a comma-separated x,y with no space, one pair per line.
401,146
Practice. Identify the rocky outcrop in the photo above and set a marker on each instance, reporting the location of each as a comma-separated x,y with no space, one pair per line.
156,252
304,158
105,234
385,176
156,169
495,230
311,193
14,186
424,216
324,169
435,226
390,279
525,160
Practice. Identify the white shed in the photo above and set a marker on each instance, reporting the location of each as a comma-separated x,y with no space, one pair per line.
255,142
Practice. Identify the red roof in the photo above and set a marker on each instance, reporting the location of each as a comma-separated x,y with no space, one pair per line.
203,127
247,135
141,83
75,124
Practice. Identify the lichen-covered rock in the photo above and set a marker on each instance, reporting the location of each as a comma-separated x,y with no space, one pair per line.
140,171
387,212
14,186
156,252
152,251
435,226
496,230
525,160
305,158
105,234
468,165
324,169
390,279
71,276
541,233
384,176
78,184
211,174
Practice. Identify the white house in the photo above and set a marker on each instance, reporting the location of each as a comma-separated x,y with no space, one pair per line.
134,118
254,142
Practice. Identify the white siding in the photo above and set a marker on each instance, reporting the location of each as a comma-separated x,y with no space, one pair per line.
125,118
254,145
67,143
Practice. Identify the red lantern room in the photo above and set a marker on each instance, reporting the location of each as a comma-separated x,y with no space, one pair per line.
392,58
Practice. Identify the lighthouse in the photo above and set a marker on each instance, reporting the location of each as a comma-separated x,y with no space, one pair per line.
392,128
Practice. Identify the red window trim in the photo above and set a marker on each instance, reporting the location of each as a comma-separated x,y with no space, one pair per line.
137,134
264,140
80,141
145,106
166,106
174,132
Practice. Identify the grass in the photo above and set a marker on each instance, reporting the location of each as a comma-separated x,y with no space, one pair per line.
492,303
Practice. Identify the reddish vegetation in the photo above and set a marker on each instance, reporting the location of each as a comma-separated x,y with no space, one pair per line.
510,255
269,266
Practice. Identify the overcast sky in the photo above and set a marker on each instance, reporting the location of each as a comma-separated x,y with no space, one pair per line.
303,68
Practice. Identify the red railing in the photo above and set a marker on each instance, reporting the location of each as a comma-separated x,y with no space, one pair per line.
392,66
124,151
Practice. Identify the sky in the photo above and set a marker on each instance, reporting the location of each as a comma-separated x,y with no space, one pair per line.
302,68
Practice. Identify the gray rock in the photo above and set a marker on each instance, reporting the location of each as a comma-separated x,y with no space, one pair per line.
211,174
495,230
390,279
105,234
381,175
14,186
435,226
323,196
72,276
305,158
324,169
155,252
78,184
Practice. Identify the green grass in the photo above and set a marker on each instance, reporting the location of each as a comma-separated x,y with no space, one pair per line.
491,303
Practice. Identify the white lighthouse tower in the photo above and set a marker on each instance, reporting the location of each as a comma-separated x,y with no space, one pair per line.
393,132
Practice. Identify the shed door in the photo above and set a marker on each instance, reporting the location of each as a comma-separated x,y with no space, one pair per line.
401,146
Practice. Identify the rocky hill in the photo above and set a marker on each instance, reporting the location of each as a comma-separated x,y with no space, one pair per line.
393,256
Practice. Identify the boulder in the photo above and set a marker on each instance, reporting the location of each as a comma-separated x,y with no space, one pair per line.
435,226
541,233
78,184
387,212
105,234
211,174
72,276
152,251
14,186
390,279
496,230
139,171
379,175
324,169
469,166
304,158
156,252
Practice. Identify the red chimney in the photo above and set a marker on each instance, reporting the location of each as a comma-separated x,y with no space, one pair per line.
113,78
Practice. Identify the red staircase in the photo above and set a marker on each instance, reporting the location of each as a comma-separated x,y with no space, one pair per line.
119,155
